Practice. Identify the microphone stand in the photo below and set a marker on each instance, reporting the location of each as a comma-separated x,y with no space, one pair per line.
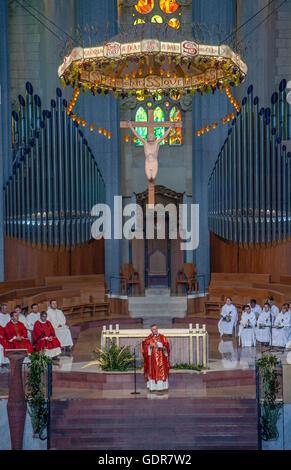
134,365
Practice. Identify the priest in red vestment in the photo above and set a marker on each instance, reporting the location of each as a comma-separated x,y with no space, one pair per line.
44,337
156,353
16,334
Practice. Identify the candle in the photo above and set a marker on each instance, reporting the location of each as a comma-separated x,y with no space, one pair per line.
204,327
104,329
117,328
197,326
190,326
110,328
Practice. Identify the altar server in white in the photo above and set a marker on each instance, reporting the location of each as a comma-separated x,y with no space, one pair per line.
229,354
58,321
288,345
280,332
32,318
274,308
228,319
4,315
255,308
263,331
247,327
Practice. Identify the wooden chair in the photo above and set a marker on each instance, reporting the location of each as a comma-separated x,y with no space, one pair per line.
129,277
188,277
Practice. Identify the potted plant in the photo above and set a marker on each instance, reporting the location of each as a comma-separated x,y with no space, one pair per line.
271,408
112,358
35,396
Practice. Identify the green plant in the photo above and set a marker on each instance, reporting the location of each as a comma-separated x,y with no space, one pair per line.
113,358
271,408
187,366
35,397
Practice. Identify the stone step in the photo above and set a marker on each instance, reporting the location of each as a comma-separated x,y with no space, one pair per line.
177,380
176,401
209,418
207,446
159,292
134,411
185,423
157,299
100,430
159,314
206,441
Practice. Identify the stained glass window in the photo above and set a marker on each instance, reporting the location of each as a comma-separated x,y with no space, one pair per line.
141,115
157,19
144,6
169,6
159,115
175,134
174,23
139,21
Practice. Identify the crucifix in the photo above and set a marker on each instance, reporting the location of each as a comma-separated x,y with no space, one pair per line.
151,147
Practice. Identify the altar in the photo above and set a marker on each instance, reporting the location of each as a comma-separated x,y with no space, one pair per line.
187,345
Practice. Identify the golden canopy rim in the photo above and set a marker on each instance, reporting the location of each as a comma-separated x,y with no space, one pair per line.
150,57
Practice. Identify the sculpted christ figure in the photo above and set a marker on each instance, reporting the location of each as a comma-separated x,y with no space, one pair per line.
151,150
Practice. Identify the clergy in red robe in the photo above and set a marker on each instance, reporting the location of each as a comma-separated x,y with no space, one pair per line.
156,353
44,337
16,334
3,340
3,346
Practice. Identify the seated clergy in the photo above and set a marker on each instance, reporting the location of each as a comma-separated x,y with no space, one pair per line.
280,331
16,334
4,315
228,318
255,308
3,346
247,327
32,317
21,316
58,321
274,308
263,331
44,337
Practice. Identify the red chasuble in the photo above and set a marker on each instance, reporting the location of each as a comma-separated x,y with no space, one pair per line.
17,329
157,364
3,340
40,332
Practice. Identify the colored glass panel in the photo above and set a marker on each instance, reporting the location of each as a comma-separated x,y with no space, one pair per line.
176,96
175,134
174,23
159,115
139,21
169,6
144,6
141,116
157,19
140,95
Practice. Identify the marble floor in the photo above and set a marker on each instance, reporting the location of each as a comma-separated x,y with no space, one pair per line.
224,355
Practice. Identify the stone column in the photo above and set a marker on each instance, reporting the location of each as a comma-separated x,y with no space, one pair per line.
16,406
104,111
207,109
